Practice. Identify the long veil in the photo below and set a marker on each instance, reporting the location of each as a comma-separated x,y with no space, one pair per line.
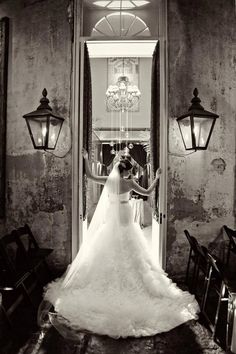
108,205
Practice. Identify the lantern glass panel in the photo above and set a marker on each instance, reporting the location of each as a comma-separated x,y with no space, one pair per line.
185,128
55,125
201,130
38,128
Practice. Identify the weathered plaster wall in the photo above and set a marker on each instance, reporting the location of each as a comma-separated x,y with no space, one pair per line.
201,186
39,184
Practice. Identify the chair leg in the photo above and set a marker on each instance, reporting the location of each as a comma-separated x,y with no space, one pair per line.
230,321
47,268
187,270
38,281
6,316
206,289
221,296
195,284
27,296
195,270
228,253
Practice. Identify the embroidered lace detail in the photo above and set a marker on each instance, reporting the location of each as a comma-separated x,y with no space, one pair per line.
119,290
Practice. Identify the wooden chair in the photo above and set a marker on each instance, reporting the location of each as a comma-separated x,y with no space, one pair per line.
232,241
15,278
36,256
201,268
192,259
222,284
209,277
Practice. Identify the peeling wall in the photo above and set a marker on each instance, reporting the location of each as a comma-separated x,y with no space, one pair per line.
39,184
201,186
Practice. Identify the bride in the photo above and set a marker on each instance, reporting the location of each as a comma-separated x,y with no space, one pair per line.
114,287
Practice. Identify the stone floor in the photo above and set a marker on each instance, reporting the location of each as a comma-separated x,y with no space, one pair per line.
189,338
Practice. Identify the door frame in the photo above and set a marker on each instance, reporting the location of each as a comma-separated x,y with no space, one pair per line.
164,116
77,129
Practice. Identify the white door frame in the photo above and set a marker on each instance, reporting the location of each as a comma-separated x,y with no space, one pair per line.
77,136
77,130
164,116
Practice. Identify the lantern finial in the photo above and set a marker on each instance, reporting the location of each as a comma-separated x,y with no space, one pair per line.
195,101
44,102
44,92
195,92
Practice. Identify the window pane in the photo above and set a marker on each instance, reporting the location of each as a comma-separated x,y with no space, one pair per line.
97,13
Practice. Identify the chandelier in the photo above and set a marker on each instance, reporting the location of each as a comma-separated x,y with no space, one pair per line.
123,96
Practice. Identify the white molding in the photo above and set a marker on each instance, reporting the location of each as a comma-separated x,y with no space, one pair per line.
77,126
75,133
162,20
121,48
81,109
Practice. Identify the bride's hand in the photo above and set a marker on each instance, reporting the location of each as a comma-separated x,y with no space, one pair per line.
158,172
85,153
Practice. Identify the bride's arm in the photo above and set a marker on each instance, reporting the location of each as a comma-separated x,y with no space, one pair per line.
140,190
89,173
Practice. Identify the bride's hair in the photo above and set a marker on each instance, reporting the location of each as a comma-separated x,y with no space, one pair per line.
125,165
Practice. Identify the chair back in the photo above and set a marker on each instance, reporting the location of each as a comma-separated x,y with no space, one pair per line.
195,246
26,236
231,235
191,239
216,266
13,254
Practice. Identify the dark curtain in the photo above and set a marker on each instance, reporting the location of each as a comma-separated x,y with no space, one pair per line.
155,120
87,118
119,146
107,157
4,44
144,181
139,155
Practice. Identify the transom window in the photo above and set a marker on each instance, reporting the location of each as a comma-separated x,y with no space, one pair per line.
120,24
120,5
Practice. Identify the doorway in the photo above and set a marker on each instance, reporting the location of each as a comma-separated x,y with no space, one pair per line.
114,131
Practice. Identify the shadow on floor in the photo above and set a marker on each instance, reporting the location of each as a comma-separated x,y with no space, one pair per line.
192,337
189,338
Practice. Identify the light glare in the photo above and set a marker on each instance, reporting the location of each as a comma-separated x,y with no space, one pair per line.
101,3
124,4
116,5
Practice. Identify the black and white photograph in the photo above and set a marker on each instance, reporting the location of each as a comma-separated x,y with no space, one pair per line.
117,177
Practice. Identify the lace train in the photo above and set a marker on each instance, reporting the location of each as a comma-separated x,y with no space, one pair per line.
118,290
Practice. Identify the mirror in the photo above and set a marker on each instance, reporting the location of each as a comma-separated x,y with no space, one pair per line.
121,110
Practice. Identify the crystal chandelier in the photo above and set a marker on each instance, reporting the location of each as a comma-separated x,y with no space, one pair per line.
123,96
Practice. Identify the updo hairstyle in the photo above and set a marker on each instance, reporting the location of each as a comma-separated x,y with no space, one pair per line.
125,165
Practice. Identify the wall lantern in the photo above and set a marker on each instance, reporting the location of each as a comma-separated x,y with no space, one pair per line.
44,126
196,125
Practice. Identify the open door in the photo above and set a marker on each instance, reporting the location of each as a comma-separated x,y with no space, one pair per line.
158,158
155,153
158,128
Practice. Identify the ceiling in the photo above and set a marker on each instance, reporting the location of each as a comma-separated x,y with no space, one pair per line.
135,135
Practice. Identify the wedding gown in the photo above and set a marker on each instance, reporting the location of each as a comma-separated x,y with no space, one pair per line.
116,288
